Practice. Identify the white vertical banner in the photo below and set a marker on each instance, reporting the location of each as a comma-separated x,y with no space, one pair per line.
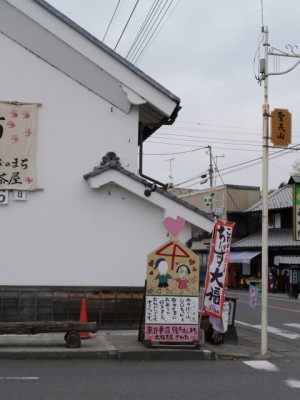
214,291
17,146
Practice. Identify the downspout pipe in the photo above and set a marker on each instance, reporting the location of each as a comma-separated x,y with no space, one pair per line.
150,130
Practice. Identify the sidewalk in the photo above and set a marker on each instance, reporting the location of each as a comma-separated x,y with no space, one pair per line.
124,345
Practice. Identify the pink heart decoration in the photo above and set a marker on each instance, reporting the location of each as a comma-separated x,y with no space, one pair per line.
174,226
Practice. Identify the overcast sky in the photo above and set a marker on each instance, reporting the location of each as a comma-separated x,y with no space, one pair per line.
207,53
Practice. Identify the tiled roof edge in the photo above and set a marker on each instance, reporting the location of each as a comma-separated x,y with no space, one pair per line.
111,162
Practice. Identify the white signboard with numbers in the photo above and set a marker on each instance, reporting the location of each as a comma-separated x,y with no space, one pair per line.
20,195
3,197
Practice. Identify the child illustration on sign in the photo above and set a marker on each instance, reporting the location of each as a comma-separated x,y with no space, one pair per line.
162,276
183,283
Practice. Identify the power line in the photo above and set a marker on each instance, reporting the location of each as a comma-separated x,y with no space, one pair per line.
152,39
258,162
218,142
174,136
143,27
170,154
189,151
150,24
228,193
126,24
160,21
245,164
229,132
222,126
110,22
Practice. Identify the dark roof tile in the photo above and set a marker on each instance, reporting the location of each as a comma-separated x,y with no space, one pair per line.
277,238
280,198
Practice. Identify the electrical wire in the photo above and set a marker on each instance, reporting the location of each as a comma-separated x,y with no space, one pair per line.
222,126
218,142
245,164
132,12
157,12
170,154
228,193
174,136
143,27
110,22
160,21
152,39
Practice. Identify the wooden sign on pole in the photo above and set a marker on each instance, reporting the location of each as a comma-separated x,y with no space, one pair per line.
281,127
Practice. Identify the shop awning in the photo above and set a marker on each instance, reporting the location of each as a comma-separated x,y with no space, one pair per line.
240,257
286,260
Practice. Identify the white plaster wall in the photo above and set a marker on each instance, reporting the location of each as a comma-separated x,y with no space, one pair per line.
87,48
101,238
76,127
69,234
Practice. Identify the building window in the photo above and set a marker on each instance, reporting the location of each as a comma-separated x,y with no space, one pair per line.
274,221
277,221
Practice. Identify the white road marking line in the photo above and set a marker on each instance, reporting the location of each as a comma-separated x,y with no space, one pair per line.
261,364
275,331
293,325
283,333
293,383
19,378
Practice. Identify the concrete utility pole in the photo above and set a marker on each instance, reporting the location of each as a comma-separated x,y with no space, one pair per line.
265,178
216,167
265,208
210,172
170,176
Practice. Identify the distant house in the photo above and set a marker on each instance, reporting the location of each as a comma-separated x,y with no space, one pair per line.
283,251
91,216
226,202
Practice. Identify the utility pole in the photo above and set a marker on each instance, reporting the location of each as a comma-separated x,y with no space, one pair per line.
265,208
216,167
210,172
264,70
170,176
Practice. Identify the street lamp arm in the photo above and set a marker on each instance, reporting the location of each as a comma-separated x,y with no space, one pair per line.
285,72
280,53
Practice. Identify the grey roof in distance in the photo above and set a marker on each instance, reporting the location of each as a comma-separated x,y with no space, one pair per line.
277,238
294,179
279,199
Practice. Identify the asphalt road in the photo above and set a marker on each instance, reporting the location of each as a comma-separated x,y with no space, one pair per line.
283,318
267,379
111,380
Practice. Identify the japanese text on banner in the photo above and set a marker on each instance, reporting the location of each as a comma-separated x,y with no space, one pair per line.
17,146
214,291
253,296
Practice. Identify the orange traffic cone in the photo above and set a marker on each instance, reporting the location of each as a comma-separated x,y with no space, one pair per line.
83,318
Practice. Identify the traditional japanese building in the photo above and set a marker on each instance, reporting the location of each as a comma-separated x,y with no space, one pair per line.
85,216
283,249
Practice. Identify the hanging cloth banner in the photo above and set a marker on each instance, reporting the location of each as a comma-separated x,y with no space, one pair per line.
17,146
214,291
253,296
